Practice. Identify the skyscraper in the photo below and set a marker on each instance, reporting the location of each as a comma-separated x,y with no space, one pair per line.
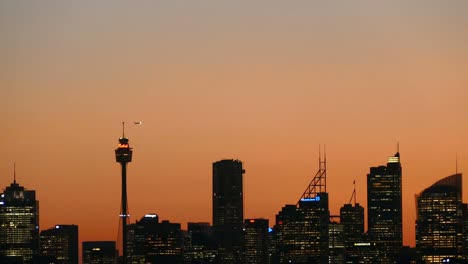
19,223
439,224
228,209
156,242
256,241
302,231
99,252
352,219
384,209
60,242
200,244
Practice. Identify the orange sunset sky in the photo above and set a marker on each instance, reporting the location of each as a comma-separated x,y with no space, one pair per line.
265,82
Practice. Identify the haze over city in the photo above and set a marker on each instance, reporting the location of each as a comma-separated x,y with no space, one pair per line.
263,82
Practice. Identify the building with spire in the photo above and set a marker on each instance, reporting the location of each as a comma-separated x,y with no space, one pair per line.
301,230
19,223
440,223
384,209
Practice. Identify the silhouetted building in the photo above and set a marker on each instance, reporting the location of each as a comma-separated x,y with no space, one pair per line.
158,242
256,241
384,209
362,253
60,242
228,209
19,223
439,224
200,246
465,231
99,252
352,219
336,244
302,231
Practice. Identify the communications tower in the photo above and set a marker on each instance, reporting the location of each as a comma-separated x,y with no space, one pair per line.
123,155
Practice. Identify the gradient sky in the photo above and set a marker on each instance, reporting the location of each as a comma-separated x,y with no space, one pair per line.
265,82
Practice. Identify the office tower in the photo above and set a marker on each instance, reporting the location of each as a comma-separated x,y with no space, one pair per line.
301,230
19,223
200,246
465,231
60,242
352,219
439,224
123,155
384,209
228,209
256,241
158,242
99,252
336,243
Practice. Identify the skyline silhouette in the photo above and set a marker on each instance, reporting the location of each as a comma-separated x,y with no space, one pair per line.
261,82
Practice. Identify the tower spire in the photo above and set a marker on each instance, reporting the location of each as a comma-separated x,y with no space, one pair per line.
123,129
456,163
14,172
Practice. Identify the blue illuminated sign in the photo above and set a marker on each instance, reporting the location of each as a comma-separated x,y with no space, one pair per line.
270,230
315,199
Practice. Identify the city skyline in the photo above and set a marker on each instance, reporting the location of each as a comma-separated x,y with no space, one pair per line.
265,84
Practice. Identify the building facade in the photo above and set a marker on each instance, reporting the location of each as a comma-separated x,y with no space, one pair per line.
439,224
256,241
60,242
301,231
228,210
152,241
384,209
19,223
99,252
200,244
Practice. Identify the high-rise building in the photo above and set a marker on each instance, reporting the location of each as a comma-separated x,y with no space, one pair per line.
256,241
439,224
200,244
99,252
302,231
228,209
19,223
158,242
60,242
352,219
384,209
336,243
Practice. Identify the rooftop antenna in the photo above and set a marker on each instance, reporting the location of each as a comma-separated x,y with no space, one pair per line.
456,163
123,129
354,194
318,184
14,172
398,146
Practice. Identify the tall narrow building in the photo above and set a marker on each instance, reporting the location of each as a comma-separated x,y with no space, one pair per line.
19,223
439,224
256,241
384,209
60,242
228,209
